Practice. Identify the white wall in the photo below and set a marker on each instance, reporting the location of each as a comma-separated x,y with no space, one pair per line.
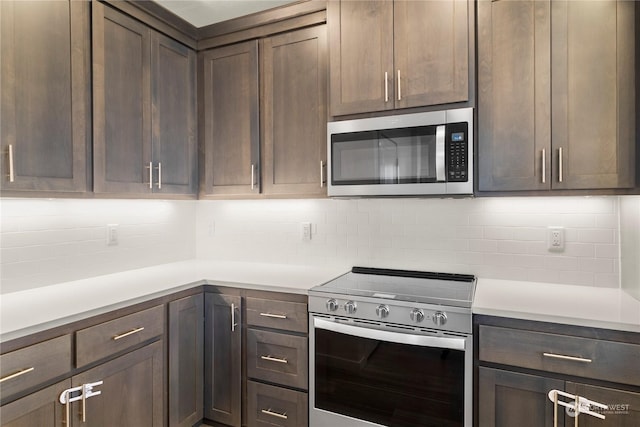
50,241
489,237
630,244
46,241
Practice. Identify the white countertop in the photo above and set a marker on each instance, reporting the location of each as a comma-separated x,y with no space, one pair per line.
34,310
568,304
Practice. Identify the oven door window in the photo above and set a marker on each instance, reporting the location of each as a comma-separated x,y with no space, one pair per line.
394,156
388,383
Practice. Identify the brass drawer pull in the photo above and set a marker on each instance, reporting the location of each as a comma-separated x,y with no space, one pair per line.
273,359
126,334
275,316
563,357
16,374
274,414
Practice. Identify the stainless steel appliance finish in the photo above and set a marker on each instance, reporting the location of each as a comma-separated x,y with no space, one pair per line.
427,153
391,348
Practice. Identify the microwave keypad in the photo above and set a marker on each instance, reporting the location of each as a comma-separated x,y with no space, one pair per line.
457,157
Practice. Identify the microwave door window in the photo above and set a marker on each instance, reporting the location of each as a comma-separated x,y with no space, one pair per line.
414,159
355,158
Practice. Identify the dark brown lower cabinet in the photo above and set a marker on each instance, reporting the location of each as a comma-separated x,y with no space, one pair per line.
132,392
508,399
186,360
41,408
223,359
276,406
520,362
623,406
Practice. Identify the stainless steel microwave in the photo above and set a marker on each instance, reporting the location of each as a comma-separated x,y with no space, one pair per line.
404,155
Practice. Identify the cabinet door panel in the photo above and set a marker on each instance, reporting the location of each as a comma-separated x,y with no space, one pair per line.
361,53
132,392
294,112
231,119
514,105
174,116
41,409
186,355
623,406
593,94
431,51
121,87
45,95
507,399
223,355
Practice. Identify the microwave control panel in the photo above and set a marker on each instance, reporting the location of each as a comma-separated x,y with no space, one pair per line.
456,154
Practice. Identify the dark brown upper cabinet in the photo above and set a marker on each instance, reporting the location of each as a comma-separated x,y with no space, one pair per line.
556,95
144,108
46,106
230,122
294,113
388,55
264,120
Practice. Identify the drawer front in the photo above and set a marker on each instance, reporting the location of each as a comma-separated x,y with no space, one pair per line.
285,315
30,366
106,339
583,357
277,358
275,406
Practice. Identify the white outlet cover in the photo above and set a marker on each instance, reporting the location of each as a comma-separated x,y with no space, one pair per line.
555,239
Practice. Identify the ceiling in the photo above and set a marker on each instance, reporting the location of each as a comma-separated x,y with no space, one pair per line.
201,13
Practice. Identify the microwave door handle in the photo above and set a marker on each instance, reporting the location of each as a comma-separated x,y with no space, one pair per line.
440,154
388,336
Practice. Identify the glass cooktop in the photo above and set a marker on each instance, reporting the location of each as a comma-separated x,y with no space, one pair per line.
404,285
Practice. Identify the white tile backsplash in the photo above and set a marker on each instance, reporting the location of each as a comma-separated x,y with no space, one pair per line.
46,241
630,244
492,237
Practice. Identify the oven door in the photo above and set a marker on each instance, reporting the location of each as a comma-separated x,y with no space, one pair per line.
364,376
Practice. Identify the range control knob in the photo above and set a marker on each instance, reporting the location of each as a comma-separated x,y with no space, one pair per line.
417,315
350,307
332,305
382,311
440,318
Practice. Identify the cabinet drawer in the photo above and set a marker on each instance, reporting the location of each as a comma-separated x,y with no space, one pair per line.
277,358
285,315
109,338
275,406
583,357
34,365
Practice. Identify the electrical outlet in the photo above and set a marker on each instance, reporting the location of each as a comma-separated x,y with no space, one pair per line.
112,234
555,239
306,231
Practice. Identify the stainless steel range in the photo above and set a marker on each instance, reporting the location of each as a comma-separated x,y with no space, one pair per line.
391,348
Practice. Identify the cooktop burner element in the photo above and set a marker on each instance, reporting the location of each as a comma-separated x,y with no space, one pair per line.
439,301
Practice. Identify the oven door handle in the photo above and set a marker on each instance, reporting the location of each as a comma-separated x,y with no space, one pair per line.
388,336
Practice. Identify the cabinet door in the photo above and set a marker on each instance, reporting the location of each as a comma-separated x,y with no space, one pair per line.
514,105
294,112
593,94
41,409
45,109
186,360
431,52
223,357
361,55
121,103
231,120
508,399
132,393
173,99
623,406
